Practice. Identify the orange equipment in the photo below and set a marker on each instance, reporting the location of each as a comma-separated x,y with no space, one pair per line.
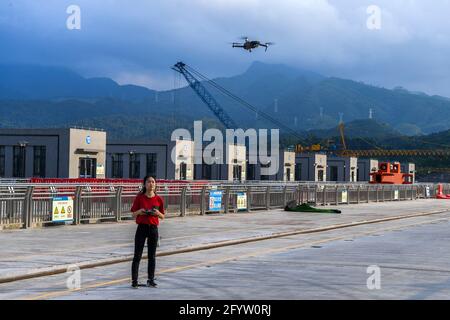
440,193
390,173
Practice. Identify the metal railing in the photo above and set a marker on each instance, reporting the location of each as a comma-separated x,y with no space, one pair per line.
24,205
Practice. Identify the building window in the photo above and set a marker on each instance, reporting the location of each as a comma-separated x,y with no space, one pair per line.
206,171
135,166
333,173
117,165
39,161
2,161
298,172
151,164
19,162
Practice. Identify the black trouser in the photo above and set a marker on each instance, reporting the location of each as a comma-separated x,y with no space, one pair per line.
143,232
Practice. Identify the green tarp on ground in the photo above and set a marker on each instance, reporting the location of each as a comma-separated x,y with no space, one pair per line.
294,207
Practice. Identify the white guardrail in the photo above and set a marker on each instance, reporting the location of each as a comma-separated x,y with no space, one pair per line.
25,205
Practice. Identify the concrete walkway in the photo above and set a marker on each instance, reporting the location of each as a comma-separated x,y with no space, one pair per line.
29,251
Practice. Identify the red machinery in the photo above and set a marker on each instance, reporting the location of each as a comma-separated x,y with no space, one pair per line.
390,173
440,194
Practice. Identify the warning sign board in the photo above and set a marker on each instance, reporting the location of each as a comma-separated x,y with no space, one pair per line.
215,200
241,201
62,209
344,196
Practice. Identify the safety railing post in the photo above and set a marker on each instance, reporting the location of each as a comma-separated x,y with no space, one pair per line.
183,202
359,194
348,194
299,194
118,204
368,193
268,198
324,196
202,201
249,198
77,207
27,208
336,196
227,199
316,192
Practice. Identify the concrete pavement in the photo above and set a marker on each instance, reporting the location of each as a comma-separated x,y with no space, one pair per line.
412,255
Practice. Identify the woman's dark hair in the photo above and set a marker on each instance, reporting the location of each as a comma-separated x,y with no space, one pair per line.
144,189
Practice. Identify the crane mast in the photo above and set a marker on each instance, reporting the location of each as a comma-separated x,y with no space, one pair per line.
206,97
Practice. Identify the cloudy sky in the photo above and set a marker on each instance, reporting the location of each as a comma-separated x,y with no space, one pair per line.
137,41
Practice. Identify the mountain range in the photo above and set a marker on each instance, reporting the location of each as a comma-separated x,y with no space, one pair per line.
40,96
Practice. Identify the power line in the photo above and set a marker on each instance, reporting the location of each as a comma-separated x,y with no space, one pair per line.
244,103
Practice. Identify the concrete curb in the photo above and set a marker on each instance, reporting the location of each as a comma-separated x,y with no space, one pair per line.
109,261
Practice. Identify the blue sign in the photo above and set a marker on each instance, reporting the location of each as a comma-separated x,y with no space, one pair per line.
215,200
88,139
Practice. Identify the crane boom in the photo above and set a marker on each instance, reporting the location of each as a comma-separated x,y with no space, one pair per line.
206,97
395,153
341,131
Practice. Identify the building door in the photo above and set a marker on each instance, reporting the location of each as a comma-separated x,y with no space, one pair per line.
183,171
333,173
288,174
237,173
320,175
87,168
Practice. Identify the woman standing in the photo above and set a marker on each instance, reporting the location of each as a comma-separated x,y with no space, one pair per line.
147,209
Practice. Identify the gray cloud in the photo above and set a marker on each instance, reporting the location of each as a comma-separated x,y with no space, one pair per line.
137,42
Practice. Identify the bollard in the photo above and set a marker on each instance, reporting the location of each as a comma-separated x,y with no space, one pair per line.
284,196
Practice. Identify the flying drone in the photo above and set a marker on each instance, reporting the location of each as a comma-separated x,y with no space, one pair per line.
251,44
